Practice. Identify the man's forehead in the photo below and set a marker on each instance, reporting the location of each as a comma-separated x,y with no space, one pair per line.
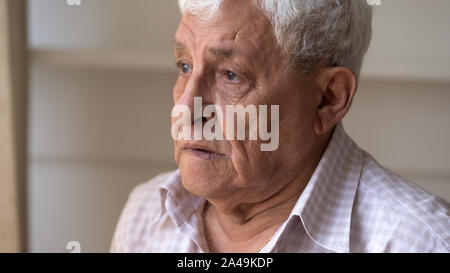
223,33
225,29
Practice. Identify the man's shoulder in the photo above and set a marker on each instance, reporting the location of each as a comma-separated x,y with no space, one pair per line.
143,204
392,187
148,194
402,204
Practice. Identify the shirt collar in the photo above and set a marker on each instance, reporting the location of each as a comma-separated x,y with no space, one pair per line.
176,201
324,207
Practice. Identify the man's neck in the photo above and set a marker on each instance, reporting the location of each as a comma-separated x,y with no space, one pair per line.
255,221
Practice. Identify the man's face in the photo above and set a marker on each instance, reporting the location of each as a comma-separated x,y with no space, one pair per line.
234,60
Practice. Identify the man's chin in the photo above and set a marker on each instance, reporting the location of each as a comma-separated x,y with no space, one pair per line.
199,180
198,187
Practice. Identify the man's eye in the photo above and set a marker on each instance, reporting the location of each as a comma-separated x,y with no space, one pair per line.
231,76
184,67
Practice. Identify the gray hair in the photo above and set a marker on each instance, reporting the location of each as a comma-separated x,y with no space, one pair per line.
310,32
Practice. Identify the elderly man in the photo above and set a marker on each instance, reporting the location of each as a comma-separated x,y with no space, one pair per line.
317,191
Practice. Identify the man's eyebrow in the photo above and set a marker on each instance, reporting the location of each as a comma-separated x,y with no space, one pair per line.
178,45
223,52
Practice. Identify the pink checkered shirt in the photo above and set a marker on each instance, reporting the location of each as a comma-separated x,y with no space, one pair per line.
351,204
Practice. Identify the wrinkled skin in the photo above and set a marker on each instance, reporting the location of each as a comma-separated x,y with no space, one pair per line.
234,60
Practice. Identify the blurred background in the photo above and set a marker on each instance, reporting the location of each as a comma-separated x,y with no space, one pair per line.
100,77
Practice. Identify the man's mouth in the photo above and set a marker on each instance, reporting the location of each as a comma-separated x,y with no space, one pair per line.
203,153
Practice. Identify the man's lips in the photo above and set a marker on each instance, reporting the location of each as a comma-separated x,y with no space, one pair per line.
203,154
202,151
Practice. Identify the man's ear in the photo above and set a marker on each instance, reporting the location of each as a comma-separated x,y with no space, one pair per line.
337,87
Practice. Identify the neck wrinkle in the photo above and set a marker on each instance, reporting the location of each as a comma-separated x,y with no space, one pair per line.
247,221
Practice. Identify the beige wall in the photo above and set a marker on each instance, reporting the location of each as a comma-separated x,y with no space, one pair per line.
13,109
101,98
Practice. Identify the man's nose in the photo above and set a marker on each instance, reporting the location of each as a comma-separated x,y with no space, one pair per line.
197,94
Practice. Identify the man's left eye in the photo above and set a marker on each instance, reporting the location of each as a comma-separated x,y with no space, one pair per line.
231,76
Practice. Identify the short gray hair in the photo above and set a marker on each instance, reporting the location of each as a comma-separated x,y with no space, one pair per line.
310,32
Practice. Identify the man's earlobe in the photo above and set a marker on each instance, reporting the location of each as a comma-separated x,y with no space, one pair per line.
337,86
